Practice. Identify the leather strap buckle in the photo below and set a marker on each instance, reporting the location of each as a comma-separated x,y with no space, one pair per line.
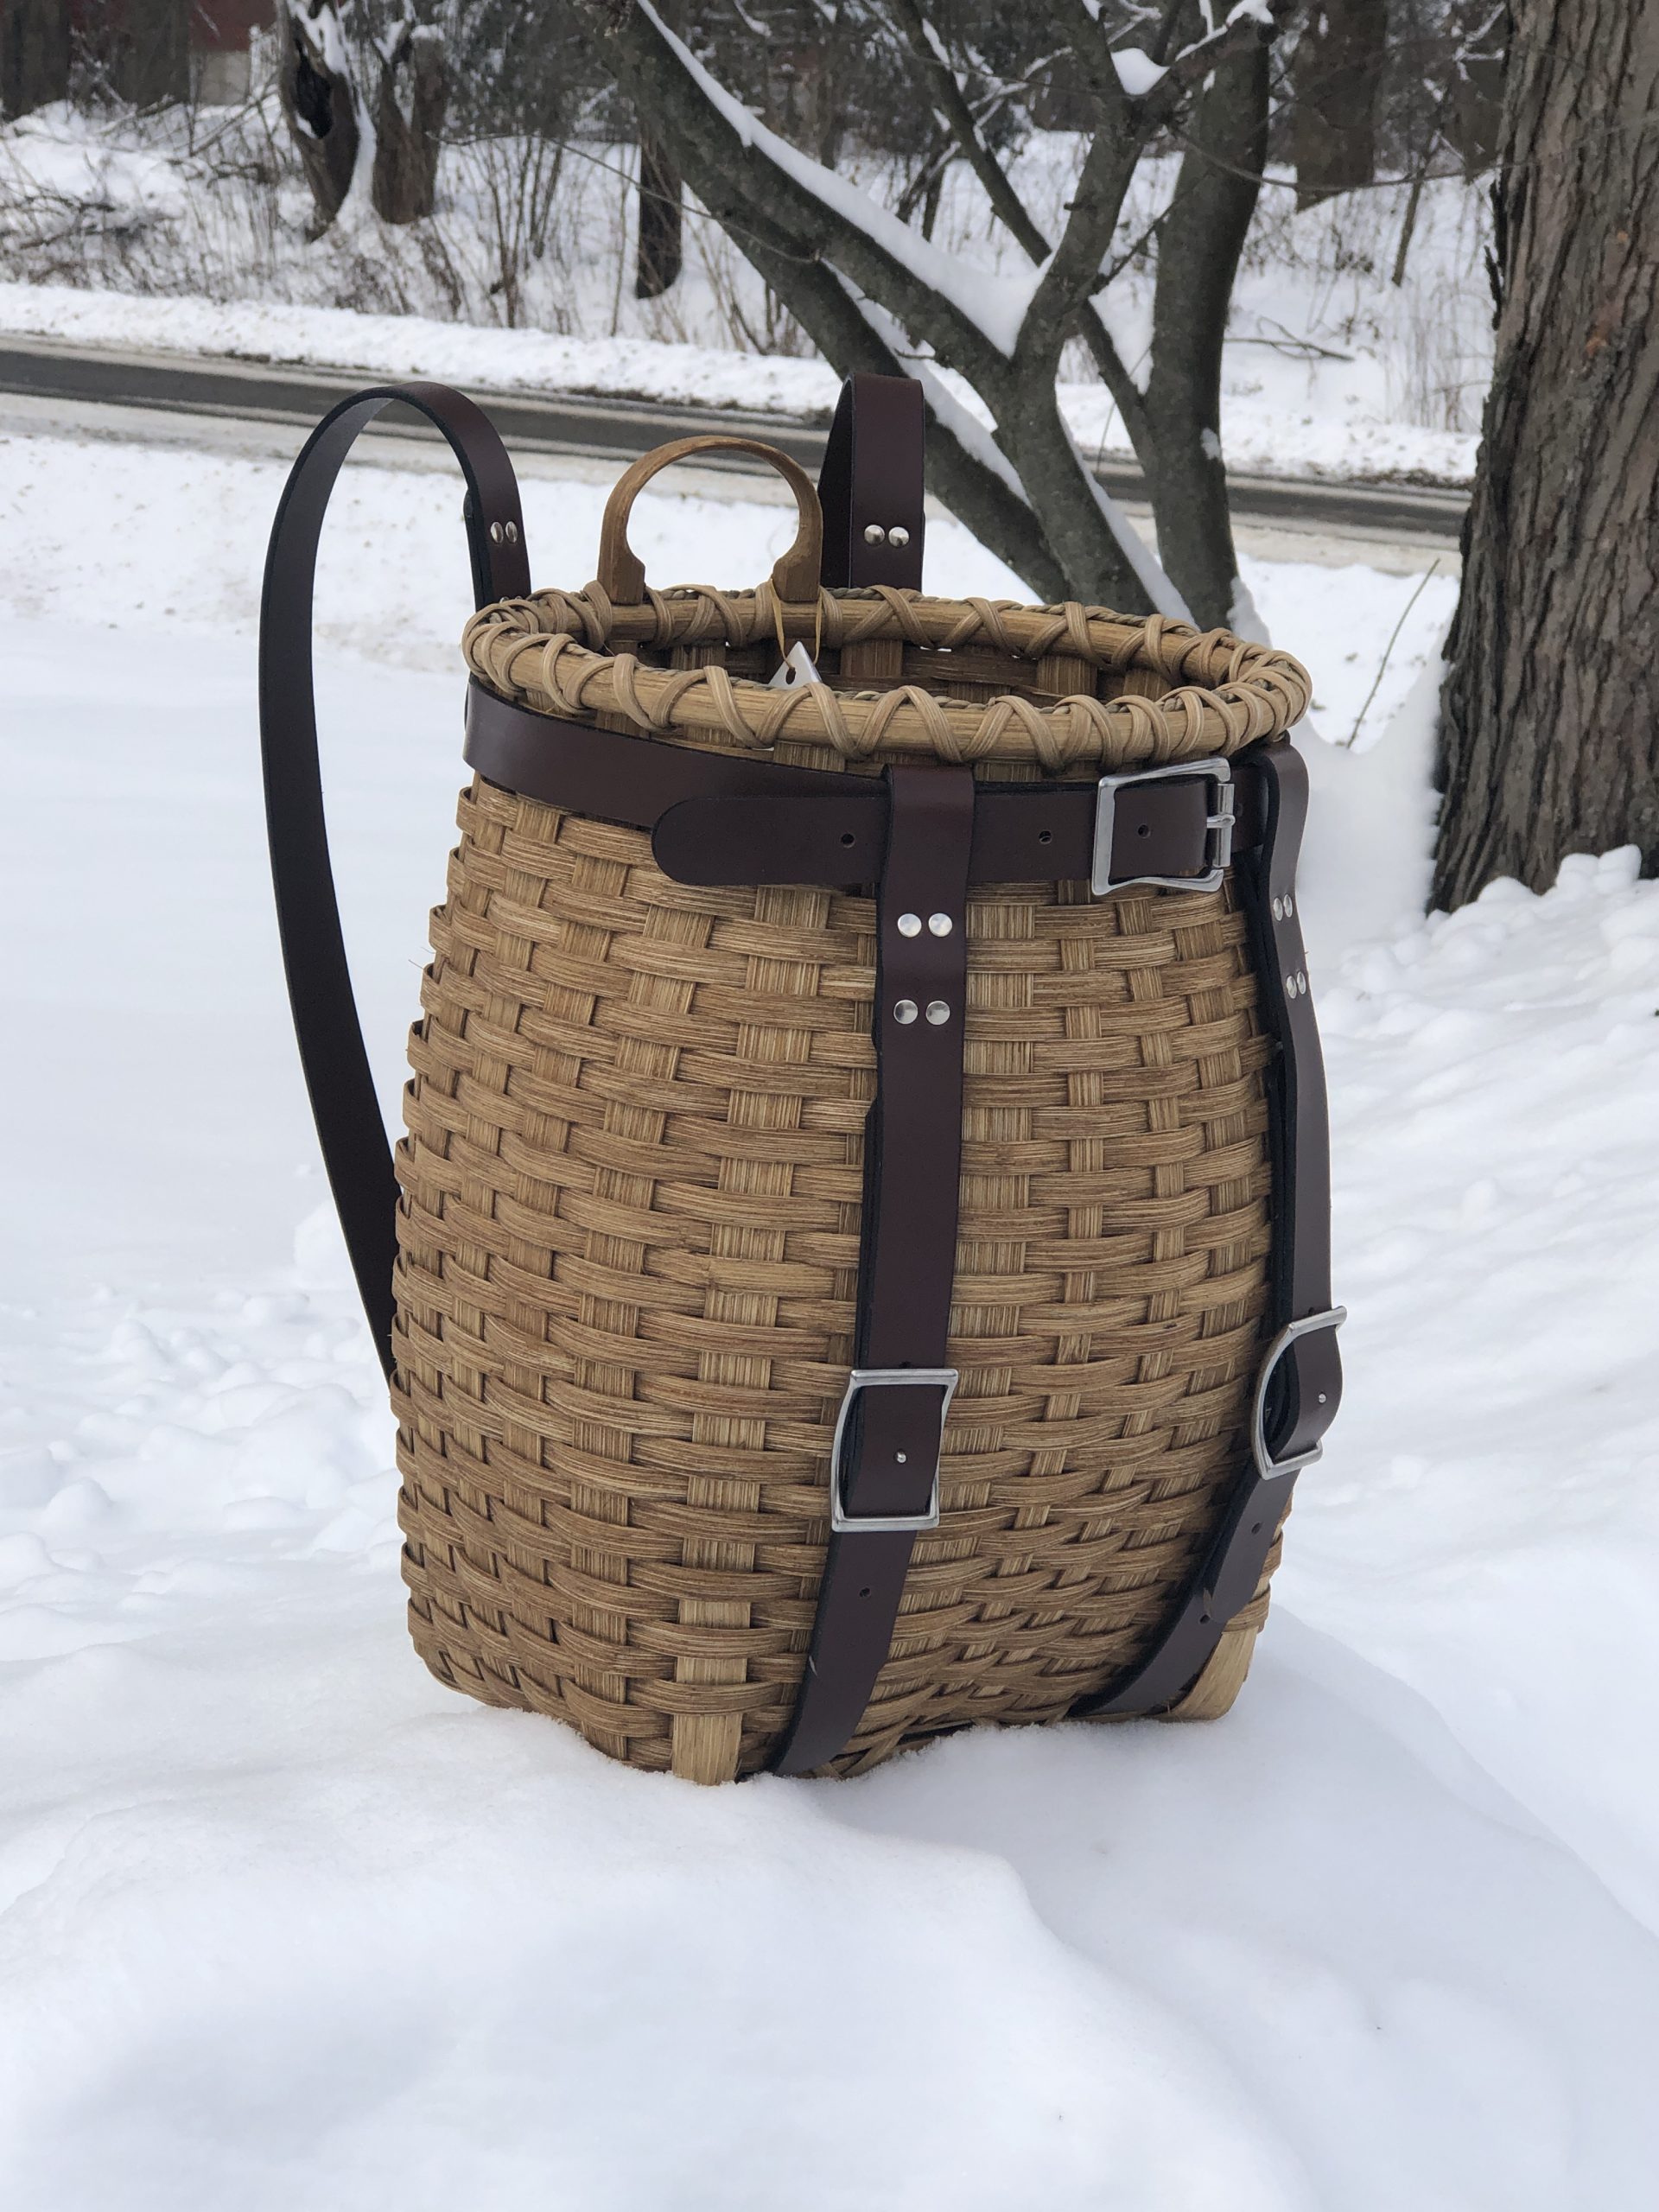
1219,825
1265,1465
886,1378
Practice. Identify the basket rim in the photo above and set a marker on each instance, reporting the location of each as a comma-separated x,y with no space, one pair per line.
572,654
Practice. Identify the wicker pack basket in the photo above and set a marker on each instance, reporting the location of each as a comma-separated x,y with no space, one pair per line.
634,1257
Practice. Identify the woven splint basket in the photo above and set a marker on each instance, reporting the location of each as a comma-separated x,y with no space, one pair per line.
639,1256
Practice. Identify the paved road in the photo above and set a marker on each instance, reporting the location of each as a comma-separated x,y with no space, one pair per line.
622,428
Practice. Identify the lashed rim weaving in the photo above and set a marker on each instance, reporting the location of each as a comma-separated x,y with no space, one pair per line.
576,653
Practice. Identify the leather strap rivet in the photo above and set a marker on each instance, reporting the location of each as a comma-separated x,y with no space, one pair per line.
940,925
1278,910
874,535
512,533
909,924
938,1011
1290,905
898,535
1301,983
1290,986
901,1458
905,1012
495,533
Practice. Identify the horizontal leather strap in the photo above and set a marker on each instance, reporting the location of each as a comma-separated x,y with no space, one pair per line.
724,817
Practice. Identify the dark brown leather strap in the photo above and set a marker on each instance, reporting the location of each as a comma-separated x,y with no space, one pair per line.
1300,1380
721,817
349,1127
870,486
884,1469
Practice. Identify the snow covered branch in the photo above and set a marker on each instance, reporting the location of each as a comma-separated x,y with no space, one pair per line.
873,293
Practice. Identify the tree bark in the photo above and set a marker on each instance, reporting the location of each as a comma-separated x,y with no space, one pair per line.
1336,78
150,51
33,55
659,252
319,101
1549,735
1471,72
1215,197
410,105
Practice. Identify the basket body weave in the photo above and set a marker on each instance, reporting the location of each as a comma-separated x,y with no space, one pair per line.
632,1177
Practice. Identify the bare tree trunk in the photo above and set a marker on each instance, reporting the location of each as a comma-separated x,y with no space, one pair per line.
148,51
660,251
1337,77
1197,258
1550,733
319,101
33,55
1472,110
410,104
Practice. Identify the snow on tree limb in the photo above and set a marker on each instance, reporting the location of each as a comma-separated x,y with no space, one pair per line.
875,295
994,307
1136,70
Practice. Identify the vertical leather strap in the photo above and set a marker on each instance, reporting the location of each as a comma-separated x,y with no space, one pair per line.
336,1064
1301,1381
871,481
888,1466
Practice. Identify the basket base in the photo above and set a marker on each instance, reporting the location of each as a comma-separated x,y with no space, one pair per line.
704,1747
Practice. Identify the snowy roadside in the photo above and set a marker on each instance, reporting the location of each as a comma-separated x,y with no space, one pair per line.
282,1922
1274,426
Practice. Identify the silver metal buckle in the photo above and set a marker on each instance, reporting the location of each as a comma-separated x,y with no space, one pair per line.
886,1378
1218,842
1265,1465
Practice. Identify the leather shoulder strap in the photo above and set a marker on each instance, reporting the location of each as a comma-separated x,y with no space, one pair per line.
349,1127
1299,1381
870,487
874,462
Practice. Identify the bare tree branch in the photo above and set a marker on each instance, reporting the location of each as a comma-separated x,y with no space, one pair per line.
874,295
959,118
745,173
844,332
1198,248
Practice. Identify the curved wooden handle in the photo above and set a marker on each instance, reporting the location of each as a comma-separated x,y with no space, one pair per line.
794,575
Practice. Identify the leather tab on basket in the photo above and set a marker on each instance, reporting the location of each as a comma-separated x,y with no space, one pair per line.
1301,1381
870,484
888,1466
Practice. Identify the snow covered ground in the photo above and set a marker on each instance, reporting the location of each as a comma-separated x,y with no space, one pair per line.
284,1924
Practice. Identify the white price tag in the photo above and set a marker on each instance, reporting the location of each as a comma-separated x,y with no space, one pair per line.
796,668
